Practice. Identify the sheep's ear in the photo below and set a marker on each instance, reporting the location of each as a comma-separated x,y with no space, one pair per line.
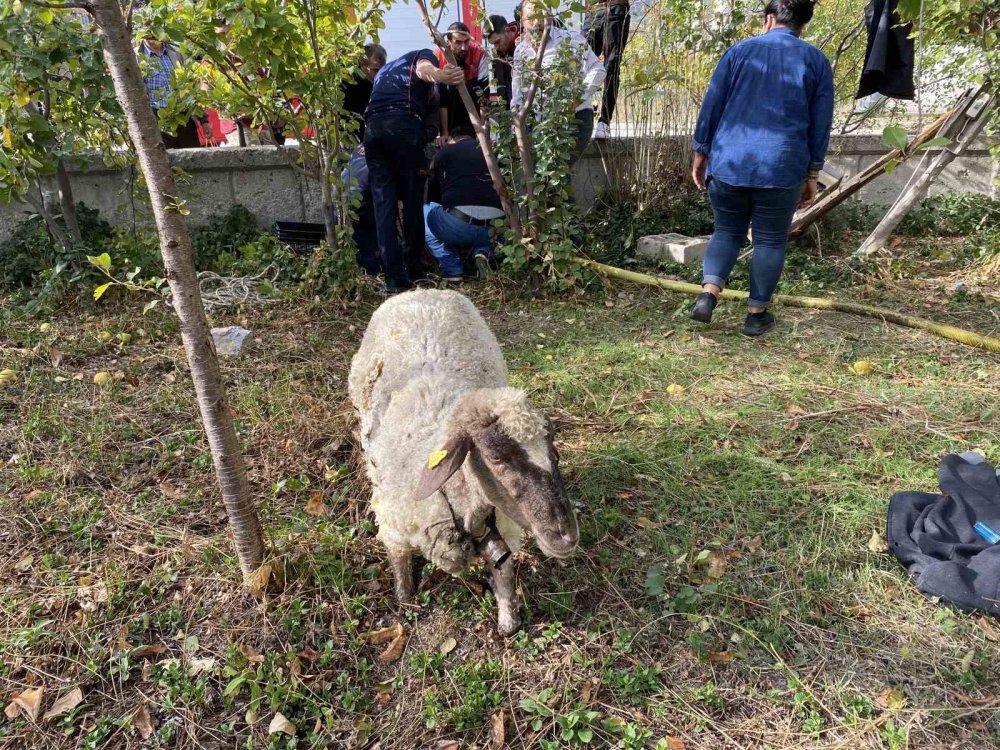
442,464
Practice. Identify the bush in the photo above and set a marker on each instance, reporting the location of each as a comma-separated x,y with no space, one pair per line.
30,253
217,244
953,215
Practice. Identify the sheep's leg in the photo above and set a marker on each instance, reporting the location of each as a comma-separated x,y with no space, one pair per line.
402,569
502,580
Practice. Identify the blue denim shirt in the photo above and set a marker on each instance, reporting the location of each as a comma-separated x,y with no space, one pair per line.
767,113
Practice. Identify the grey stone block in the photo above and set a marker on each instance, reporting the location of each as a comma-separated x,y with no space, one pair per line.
229,341
676,247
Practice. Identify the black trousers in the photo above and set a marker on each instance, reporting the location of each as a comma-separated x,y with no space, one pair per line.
394,150
607,32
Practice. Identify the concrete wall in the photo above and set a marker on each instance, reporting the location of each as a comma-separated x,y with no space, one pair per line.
262,180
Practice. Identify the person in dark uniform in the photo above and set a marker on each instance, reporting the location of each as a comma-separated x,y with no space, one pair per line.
358,90
394,152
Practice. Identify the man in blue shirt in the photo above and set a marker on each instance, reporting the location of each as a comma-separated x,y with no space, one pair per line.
394,150
759,144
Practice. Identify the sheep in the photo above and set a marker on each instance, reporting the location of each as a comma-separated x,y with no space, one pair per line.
459,462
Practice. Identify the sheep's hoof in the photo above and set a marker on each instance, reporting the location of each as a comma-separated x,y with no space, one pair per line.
507,625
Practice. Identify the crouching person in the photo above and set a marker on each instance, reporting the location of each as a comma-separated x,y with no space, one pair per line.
463,205
355,179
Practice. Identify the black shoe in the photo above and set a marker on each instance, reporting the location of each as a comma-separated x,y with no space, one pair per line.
758,324
704,306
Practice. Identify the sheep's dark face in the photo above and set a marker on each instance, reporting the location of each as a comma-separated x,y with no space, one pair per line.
531,488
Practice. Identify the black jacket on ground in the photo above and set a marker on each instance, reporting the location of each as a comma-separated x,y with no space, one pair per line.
933,536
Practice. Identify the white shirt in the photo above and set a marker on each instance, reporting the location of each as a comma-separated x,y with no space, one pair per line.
591,69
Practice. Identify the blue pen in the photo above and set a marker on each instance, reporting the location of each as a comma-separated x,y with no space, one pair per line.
986,533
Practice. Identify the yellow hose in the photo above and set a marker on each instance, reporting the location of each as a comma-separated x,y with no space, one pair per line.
969,338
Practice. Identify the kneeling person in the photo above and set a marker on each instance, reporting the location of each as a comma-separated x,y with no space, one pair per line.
463,205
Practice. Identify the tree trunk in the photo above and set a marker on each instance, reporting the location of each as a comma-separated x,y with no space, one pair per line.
66,202
178,260
55,231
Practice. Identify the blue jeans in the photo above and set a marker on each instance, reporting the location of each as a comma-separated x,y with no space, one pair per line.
394,151
736,209
445,234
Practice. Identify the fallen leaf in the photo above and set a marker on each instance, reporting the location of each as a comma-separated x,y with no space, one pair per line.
891,698
498,732
754,544
169,378
250,654
675,390
794,410
395,649
434,460
448,645
280,724
65,704
645,523
383,635
8,376
24,564
102,378
988,630
316,506
197,666
171,490
675,743
33,495
143,722
257,581
55,357
877,543
153,649
28,701
448,745
716,565
720,658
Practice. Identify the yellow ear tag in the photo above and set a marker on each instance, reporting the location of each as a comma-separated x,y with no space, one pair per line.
436,458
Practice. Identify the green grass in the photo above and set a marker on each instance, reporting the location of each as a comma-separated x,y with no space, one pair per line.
725,596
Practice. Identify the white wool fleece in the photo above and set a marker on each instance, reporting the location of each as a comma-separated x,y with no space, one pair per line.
423,351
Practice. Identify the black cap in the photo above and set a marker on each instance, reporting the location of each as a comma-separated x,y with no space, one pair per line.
494,24
458,26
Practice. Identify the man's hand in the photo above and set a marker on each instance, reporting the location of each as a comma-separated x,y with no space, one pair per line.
450,74
809,191
442,140
698,168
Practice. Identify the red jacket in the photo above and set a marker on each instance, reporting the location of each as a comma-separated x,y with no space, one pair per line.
475,63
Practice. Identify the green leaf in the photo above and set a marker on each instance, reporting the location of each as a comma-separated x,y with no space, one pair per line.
234,685
585,735
102,261
895,137
101,290
890,166
938,142
149,306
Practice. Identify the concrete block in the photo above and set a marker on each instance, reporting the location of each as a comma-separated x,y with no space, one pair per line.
675,247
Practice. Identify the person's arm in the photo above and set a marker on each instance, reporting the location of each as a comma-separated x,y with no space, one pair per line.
449,74
708,119
821,118
516,96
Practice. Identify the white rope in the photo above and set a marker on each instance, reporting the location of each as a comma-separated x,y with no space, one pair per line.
226,291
